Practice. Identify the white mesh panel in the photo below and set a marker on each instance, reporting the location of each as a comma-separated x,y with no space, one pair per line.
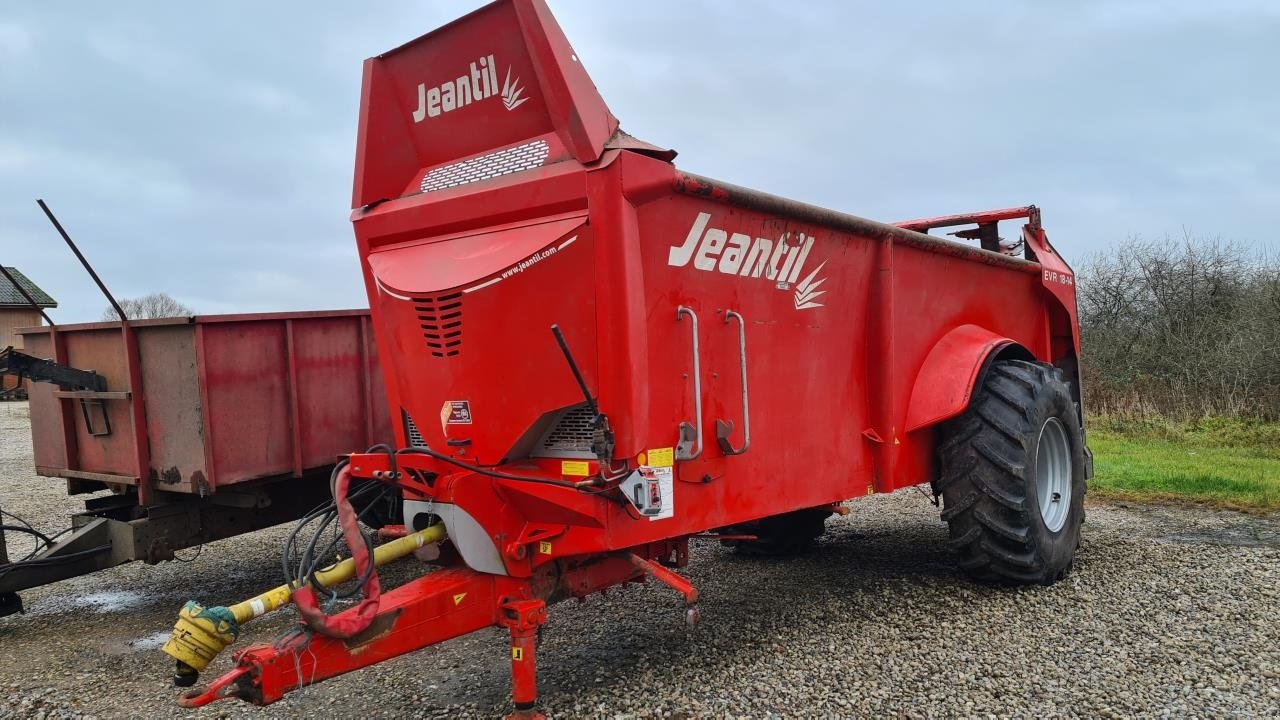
503,162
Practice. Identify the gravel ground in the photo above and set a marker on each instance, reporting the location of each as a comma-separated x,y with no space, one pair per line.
1170,612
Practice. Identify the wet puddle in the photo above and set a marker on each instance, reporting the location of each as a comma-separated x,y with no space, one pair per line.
101,603
125,646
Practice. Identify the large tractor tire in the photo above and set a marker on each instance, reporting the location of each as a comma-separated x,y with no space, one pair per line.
1013,476
781,535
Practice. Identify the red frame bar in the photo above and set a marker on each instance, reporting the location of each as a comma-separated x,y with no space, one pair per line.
138,412
295,416
65,405
366,382
431,609
976,218
908,233
206,422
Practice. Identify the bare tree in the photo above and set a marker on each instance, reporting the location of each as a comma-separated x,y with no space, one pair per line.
1182,327
155,305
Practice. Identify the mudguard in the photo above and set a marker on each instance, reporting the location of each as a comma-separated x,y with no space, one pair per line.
950,373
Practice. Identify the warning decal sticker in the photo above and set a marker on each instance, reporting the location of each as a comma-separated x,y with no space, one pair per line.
575,468
662,457
456,412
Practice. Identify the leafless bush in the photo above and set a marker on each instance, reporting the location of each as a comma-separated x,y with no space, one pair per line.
155,305
1181,327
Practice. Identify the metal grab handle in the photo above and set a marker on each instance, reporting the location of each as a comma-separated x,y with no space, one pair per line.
724,427
692,433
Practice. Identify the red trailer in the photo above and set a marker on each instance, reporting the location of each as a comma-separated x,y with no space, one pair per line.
200,427
593,356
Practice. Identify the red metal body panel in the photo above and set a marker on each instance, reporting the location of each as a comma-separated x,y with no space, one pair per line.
227,399
849,323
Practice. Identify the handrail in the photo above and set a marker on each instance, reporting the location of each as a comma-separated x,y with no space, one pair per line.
725,427
684,447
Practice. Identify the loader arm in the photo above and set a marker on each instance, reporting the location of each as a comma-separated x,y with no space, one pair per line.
23,366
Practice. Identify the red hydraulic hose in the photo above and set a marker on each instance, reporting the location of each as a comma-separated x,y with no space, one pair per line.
346,624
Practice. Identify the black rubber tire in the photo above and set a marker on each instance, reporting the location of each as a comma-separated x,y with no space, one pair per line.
791,533
988,477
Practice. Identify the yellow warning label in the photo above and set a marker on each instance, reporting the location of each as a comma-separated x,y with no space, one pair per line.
457,599
517,653
544,547
661,457
575,468
871,489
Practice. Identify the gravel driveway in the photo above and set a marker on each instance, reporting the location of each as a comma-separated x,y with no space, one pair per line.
1170,612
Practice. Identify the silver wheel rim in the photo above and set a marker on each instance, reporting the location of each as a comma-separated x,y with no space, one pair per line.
1053,474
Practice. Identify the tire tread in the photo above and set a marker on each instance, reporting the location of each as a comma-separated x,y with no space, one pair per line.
984,455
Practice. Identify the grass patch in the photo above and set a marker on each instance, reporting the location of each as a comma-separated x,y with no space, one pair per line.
1219,461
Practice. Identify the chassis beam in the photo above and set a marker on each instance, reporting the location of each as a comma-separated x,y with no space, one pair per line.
439,606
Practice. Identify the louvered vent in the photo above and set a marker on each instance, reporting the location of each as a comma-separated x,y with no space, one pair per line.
502,162
441,320
570,435
411,431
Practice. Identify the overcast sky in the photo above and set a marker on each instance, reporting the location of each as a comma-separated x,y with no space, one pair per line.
205,149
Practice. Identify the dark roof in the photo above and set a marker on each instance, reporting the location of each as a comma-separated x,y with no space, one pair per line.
10,296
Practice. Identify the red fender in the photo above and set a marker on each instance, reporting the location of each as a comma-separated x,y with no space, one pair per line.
950,373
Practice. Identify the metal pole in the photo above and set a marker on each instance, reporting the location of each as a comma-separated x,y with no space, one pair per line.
88,268
137,409
26,295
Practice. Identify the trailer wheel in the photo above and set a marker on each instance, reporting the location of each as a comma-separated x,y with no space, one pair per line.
780,535
1013,476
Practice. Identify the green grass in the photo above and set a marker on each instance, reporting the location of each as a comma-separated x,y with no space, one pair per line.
1218,461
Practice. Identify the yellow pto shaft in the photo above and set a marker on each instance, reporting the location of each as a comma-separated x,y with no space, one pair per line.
202,632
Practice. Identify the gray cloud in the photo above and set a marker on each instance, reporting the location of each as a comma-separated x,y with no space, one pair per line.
206,151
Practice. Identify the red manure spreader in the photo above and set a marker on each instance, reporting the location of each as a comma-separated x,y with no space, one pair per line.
591,356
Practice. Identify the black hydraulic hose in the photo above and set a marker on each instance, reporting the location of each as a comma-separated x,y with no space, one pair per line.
287,554
42,541
327,514
27,526
309,563
419,450
52,561
311,567
333,544
30,531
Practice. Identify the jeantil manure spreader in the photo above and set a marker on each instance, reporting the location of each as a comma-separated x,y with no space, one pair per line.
591,357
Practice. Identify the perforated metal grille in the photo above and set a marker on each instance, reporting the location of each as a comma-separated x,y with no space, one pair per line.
502,162
572,433
411,431
441,321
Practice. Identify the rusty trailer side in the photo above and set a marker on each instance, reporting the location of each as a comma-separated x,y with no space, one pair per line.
227,399
242,419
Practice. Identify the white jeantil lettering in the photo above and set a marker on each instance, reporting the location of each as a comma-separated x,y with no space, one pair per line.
679,256
479,83
712,248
